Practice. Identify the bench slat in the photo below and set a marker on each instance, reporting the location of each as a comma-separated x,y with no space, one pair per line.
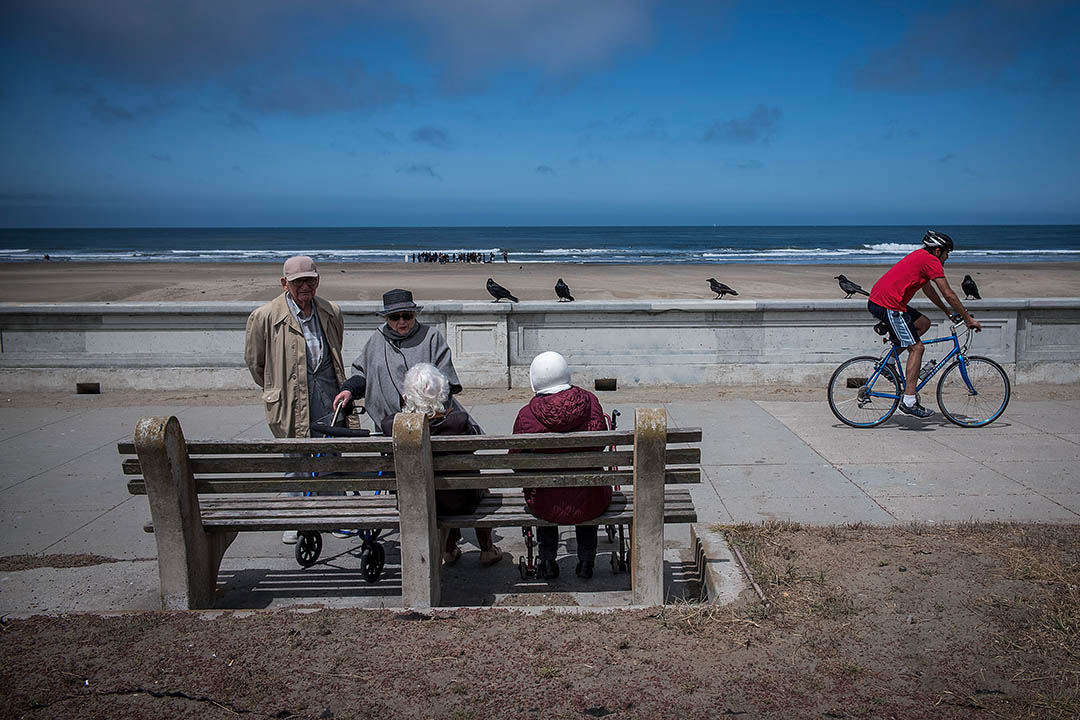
378,444
328,513
547,441
508,510
276,484
672,476
442,463
460,443
554,461
279,464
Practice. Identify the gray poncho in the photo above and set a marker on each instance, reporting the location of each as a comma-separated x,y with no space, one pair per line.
380,368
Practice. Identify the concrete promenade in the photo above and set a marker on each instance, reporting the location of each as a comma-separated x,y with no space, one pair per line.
62,492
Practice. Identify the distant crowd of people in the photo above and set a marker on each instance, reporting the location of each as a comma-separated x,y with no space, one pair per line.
461,257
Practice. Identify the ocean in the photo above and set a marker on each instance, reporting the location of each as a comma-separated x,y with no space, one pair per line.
780,245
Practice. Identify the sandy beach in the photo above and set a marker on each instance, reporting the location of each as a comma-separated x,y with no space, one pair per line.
145,282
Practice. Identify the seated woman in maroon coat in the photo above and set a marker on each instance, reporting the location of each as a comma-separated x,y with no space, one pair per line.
427,390
561,407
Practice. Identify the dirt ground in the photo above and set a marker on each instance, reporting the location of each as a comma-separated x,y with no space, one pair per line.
971,621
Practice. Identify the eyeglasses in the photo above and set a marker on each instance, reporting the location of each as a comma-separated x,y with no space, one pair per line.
305,281
394,317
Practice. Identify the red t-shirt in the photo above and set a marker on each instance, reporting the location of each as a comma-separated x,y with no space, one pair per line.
896,288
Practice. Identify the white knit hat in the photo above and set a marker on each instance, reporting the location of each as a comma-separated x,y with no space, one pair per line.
549,373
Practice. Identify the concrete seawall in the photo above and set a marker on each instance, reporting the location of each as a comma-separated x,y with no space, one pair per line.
183,346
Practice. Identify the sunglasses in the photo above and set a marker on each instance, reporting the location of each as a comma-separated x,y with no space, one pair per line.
305,281
394,317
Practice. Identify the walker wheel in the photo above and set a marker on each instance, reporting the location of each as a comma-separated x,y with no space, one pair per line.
308,547
372,560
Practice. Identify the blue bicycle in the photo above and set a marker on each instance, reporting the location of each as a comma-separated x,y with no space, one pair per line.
973,391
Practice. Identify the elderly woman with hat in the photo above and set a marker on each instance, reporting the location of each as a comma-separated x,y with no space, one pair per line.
399,344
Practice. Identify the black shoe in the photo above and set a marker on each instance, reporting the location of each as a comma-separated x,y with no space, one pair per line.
547,569
917,410
584,569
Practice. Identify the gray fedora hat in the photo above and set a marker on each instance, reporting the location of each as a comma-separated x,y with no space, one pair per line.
397,300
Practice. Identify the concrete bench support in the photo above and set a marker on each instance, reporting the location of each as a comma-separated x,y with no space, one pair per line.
188,557
420,556
647,542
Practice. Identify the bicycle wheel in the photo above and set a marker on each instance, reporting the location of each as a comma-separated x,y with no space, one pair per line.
983,401
851,400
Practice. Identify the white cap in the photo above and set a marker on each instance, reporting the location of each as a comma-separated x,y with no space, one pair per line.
549,373
299,266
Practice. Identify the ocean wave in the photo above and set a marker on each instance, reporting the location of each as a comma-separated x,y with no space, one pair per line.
892,247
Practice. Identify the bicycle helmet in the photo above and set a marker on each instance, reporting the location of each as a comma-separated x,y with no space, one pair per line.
934,239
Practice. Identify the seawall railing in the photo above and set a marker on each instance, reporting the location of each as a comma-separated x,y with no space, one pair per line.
199,345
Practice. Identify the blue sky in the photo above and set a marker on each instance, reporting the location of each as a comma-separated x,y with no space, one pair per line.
496,112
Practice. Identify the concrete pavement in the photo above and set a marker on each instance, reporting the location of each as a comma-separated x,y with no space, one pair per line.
61,492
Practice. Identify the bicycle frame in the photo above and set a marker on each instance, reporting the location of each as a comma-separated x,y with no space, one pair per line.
893,354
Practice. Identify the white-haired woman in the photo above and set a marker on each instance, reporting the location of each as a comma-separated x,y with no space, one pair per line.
427,391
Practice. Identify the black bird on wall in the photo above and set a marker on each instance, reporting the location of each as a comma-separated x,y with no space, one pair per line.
499,292
849,287
563,291
971,290
720,289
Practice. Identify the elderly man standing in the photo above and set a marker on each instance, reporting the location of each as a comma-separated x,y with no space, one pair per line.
293,350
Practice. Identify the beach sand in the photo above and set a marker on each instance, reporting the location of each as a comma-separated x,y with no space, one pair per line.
146,282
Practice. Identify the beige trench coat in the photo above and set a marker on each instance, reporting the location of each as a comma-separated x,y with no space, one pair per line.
276,356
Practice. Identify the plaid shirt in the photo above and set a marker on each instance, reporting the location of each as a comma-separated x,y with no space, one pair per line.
313,336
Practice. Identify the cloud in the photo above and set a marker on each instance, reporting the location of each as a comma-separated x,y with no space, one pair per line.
433,136
894,132
166,159
975,42
946,158
759,125
306,92
746,164
546,170
155,43
627,126
240,123
474,38
113,113
387,136
420,169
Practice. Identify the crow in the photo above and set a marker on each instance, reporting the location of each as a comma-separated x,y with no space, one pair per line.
720,289
563,291
849,287
499,292
971,290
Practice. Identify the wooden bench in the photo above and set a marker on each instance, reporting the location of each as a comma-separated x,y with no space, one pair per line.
202,493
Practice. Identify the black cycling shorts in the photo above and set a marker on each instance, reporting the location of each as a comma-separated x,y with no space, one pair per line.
901,325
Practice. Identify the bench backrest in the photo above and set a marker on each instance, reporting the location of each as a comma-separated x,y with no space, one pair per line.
471,461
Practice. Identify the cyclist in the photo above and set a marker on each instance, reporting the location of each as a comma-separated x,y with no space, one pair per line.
889,300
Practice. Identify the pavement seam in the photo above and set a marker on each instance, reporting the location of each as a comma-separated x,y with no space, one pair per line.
88,522
41,427
115,441
825,460
61,464
984,466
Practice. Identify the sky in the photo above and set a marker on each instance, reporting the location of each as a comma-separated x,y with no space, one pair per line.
198,113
